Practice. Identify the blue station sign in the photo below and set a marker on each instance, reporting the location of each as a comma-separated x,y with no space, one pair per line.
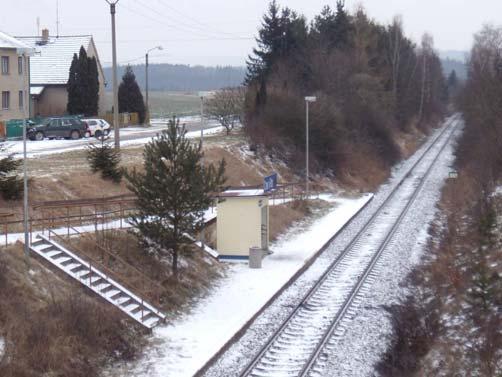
270,183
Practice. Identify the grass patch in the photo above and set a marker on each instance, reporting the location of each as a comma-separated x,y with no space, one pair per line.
52,327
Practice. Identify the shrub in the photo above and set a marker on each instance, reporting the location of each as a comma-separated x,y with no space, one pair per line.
106,160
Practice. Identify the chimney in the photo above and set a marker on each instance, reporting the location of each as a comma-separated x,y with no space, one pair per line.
45,35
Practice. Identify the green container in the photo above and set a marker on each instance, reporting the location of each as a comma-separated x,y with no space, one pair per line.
14,128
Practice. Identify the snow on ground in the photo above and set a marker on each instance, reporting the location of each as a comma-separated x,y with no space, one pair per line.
2,346
184,346
353,361
369,334
130,136
189,135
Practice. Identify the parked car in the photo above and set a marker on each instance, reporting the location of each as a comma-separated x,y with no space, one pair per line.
58,127
97,127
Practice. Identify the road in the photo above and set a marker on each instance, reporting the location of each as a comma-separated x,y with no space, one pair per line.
128,136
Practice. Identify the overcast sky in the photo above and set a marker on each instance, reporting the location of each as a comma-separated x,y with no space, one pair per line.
222,31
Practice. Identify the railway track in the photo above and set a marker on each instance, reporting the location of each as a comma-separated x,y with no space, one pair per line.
302,343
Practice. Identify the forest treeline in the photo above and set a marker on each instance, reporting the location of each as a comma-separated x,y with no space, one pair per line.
451,324
371,82
183,78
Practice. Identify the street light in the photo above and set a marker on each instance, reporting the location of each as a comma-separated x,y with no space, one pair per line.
25,54
307,101
115,88
202,95
146,80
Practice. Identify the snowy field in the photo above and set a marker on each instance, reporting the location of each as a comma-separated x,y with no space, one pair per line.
367,336
184,346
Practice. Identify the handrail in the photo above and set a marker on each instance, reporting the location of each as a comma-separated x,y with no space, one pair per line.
109,253
112,273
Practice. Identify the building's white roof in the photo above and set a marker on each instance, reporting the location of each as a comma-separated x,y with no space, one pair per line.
51,64
36,90
6,41
243,193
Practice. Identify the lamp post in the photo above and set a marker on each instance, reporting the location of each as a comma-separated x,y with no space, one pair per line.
202,95
307,101
115,88
146,80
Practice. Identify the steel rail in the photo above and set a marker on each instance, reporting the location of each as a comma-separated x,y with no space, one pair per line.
357,288
251,366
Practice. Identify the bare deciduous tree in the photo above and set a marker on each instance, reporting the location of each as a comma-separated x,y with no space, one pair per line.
227,106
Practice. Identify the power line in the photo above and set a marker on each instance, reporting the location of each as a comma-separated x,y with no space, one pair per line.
178,40
193,19
176,27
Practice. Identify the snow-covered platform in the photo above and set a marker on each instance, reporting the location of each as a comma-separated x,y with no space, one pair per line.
184,346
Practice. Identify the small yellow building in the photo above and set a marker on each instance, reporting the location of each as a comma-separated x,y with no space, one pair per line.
242,223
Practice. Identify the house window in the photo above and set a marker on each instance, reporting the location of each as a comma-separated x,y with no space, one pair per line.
5,100
20,65
5,65
21,99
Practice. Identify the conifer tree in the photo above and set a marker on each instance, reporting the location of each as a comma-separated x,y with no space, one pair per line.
323,28
270,39
172,193
72,87
105,159
83,81
342,27
130,97
11,185
83,85
93,95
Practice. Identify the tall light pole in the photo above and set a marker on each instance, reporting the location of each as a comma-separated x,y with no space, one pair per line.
26,97
115,85
146,80
202,95
307,101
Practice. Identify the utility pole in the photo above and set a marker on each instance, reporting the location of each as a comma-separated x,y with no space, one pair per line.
307,101
115,85
146,81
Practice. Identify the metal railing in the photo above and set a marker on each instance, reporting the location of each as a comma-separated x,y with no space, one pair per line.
146,282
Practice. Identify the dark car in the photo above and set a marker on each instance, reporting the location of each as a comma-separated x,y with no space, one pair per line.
58,127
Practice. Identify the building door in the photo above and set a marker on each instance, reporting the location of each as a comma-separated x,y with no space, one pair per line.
264,228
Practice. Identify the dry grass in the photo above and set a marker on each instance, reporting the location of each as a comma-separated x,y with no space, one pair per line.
283,216
53,329
197,271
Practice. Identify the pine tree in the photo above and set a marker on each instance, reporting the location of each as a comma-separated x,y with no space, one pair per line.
83,81
72,87
130,97
83,85
172,193
323,28
105,159
11,185
342,37
270,40
93,94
